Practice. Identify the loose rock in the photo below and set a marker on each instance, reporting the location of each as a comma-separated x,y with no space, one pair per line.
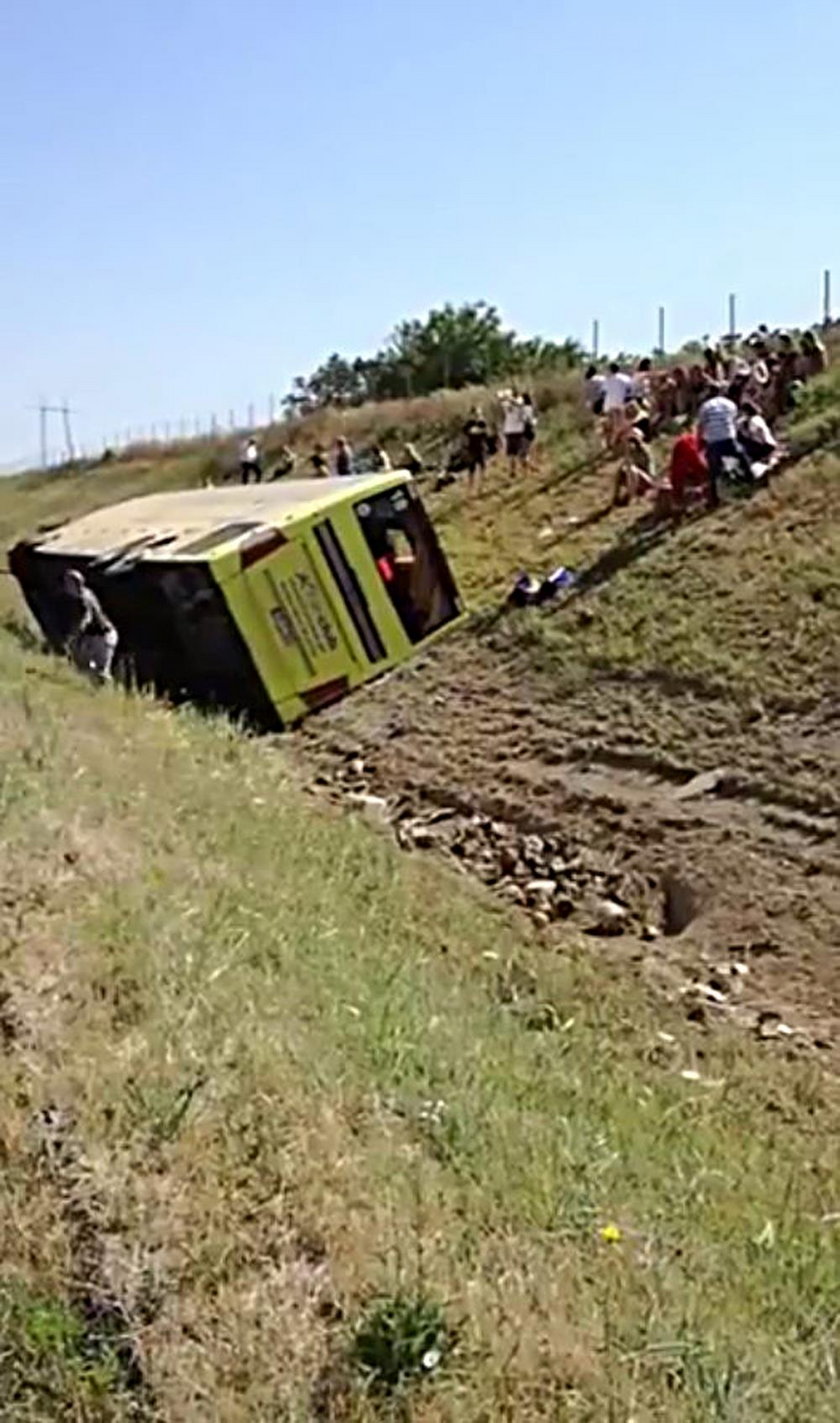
609,917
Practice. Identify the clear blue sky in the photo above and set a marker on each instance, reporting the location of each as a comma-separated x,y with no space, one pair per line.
204,198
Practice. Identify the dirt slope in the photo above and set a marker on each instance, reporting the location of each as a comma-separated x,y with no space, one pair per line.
671,733
731,824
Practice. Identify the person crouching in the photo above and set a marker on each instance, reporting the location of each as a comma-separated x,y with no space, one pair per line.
637,471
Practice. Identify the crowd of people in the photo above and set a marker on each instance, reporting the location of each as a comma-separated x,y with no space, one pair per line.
722,410
513,430
340,461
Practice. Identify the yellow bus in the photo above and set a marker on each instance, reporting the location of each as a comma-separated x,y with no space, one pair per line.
269,600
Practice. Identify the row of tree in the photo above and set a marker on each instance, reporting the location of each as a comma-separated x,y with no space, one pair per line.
452,347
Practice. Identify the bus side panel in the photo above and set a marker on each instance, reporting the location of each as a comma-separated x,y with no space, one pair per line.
287,612
276,676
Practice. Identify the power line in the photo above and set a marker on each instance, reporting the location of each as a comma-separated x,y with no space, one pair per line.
44,409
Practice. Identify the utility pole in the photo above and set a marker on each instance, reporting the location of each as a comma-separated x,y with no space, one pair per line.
732,321
661,347
68,434
44,409
827,297
596,337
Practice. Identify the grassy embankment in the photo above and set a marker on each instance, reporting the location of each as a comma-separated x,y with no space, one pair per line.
291,1070
258,1068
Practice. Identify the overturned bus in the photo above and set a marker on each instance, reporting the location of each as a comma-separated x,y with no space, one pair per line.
269,600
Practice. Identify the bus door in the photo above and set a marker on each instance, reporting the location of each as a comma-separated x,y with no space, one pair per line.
409,561
317,658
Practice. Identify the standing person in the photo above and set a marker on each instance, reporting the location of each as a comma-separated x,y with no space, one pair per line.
250,465
595,386
681,392
617,391
343,457
717,425
513,428
665,401
380,460
787,374
739,380
319,462
642,381
758,384
814,359
412,461
92,638
477,443
529,434
714,367
696,390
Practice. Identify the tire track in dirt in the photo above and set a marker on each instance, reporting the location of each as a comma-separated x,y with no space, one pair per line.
743,808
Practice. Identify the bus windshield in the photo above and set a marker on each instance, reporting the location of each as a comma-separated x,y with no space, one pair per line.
409,560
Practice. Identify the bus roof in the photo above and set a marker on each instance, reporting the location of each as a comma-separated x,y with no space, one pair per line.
200,522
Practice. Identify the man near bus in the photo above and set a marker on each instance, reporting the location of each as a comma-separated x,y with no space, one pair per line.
92,638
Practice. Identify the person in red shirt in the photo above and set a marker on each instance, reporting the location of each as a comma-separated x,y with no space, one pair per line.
689,473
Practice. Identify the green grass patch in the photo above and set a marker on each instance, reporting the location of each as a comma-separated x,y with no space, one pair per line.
294,1064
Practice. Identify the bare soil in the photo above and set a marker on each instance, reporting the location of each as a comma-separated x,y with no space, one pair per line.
694,839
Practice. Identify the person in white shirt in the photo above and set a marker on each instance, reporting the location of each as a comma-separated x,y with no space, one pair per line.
618,389
250,465
529,433
380,460
717,426
595,387
757,439
514,420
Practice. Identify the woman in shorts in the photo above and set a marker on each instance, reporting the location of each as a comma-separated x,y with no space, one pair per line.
513,430
476,442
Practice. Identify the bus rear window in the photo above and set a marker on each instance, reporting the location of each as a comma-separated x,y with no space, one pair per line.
409,560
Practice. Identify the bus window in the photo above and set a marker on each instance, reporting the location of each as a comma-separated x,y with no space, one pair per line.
409,560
